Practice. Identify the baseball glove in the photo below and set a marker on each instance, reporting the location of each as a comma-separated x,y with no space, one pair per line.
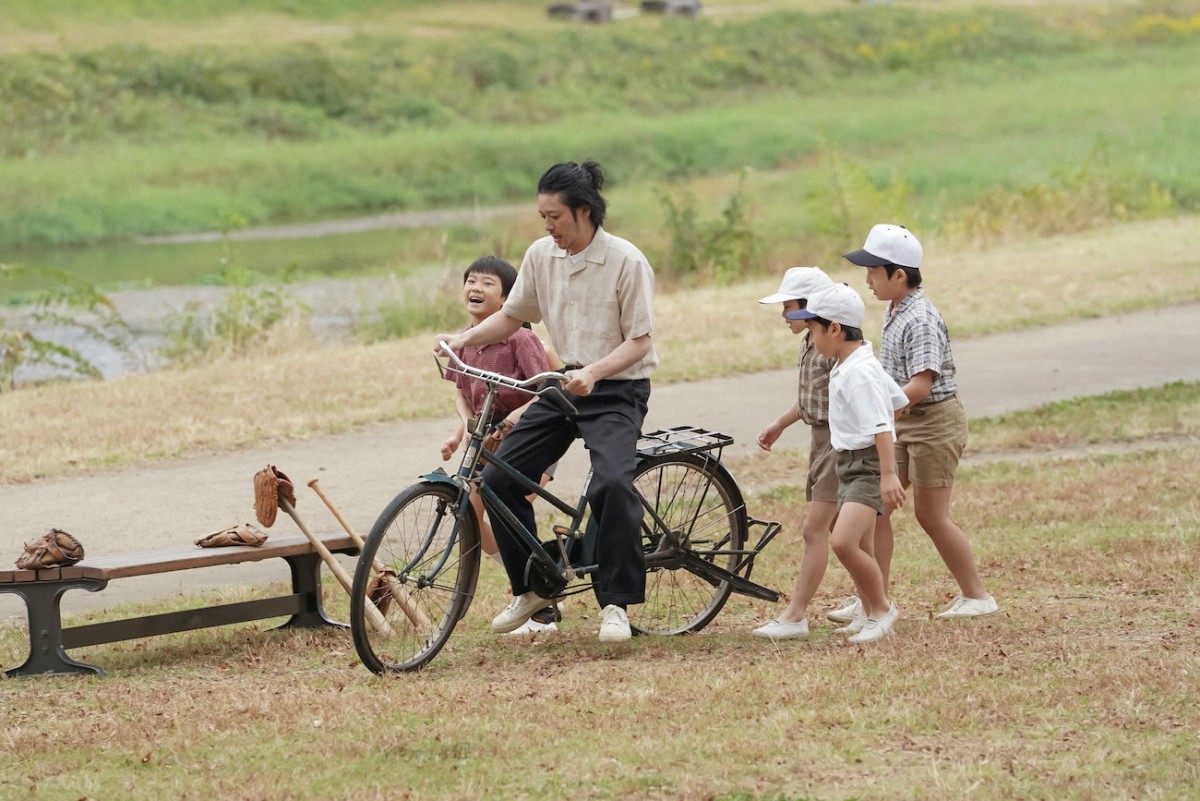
270,485
245,534
55,548
489,442
379,593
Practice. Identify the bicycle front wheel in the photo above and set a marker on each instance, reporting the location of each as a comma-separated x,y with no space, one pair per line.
689,503
415,578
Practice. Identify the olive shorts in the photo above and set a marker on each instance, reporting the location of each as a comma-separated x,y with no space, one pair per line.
822,467
930,440
858,475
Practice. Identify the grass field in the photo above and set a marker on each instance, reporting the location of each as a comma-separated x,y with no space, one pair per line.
1080,688
1045,152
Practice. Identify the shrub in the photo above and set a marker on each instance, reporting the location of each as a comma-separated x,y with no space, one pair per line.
72,304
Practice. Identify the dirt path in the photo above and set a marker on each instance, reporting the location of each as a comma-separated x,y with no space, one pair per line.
168,503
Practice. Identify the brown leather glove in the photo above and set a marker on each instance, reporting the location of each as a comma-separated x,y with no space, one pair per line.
269,486
55,548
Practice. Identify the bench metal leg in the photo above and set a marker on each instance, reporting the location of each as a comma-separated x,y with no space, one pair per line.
47,657
306,580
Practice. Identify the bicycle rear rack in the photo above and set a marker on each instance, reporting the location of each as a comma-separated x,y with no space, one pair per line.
683,439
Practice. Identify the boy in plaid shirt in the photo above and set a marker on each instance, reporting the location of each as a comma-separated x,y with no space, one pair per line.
931,432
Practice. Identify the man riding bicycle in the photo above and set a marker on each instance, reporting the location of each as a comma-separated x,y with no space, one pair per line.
594,291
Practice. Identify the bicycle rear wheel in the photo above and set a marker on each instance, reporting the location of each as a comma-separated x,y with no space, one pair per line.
690,503
430,557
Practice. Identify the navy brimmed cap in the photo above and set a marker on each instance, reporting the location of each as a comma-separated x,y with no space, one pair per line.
837,304
888,244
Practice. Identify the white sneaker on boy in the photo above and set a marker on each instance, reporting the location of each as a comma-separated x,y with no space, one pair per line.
847,613
970,607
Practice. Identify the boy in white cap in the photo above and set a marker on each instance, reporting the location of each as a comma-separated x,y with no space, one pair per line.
863,401
931,432
812,406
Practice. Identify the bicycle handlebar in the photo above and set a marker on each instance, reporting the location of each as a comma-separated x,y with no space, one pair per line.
499,379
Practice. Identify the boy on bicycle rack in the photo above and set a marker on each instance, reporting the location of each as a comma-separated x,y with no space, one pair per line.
486,284
594,292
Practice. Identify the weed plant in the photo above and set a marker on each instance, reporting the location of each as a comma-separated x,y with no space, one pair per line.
69,304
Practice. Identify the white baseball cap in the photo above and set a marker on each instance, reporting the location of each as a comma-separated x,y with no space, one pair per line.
837,304
888,244
800,282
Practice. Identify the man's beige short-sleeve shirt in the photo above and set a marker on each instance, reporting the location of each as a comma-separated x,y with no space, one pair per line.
590,308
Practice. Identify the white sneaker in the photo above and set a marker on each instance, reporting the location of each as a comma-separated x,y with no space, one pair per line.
517,612
970,607
873,630
532,626
854,626
782,630
847,613
614,624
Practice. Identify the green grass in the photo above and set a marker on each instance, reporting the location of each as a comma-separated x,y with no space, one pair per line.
953,104
1078,689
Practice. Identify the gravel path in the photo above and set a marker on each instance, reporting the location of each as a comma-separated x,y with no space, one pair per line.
164,504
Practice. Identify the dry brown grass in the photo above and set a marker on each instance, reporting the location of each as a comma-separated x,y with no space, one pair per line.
1080,688
703,332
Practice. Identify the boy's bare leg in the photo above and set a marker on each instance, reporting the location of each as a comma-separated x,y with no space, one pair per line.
884,543
487,539
931,506
818,520
852,534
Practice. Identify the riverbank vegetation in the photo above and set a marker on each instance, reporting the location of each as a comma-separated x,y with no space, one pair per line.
975,119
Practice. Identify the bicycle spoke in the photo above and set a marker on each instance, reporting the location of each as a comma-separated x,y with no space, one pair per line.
434,557
689,504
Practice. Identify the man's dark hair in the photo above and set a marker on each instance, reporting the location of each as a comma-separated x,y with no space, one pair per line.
912,275
493,265
849,333
579,185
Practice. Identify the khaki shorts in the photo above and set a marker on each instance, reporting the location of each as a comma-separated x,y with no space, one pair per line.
929,442
822,467
858,475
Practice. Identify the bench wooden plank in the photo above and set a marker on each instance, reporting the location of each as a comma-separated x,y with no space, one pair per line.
184,557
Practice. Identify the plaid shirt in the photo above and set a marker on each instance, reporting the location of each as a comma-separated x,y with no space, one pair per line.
915,339
520,356
814,385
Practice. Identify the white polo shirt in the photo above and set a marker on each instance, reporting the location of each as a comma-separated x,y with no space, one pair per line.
863,400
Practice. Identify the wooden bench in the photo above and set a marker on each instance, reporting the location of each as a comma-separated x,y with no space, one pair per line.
42,591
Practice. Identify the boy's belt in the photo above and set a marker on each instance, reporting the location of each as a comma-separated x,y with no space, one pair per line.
919,409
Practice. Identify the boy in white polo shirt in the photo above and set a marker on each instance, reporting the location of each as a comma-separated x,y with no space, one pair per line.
863,401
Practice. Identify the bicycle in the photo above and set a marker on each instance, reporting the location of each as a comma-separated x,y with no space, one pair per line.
420,563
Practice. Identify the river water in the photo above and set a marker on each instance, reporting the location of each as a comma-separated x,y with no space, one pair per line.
171,276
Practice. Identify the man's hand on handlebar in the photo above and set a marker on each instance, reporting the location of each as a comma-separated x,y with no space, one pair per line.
579,383
449,339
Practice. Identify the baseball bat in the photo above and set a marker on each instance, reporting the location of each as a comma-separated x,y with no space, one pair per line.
397,591
375,617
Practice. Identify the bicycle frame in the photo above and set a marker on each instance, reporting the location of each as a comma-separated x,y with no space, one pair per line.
671,550
423,552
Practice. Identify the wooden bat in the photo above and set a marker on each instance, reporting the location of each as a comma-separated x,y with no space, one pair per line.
397,590
376,618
